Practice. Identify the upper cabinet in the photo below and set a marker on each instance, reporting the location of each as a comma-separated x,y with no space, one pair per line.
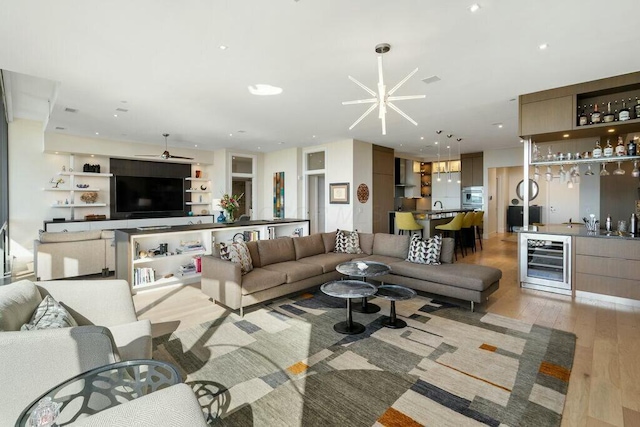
471,170
598,108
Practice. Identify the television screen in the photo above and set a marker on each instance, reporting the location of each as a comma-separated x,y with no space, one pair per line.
135,194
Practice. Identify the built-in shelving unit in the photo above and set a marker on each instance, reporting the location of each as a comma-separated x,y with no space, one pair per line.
80,205
613,159
198,196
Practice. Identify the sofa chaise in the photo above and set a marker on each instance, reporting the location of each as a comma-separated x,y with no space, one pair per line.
287,265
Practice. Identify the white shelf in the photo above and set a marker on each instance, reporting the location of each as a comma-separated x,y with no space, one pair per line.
84,174
197,179
197,203
198,191
165,257
71,189
176,279
81,205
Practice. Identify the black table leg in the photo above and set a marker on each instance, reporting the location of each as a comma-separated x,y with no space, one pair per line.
349,327
392,321
366,307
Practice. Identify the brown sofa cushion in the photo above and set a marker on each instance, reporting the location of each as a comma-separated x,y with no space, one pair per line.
392,245
260,279
276,250
329,240
253,252
366,242
469,276
75,236
389,260
446,252
308,246
295,271
330,261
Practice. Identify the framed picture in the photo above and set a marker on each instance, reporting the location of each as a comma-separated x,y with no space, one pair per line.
339,193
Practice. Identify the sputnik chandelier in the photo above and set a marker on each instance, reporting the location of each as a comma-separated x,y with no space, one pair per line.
383,99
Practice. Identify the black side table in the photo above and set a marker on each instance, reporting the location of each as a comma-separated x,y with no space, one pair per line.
364,269
348,289
394,293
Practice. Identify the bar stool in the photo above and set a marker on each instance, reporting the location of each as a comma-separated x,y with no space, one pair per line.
478,224
406,222
468,233
455,225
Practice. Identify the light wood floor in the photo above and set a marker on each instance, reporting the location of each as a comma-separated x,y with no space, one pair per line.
604,389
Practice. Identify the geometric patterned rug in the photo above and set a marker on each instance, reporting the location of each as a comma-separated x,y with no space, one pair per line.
283,365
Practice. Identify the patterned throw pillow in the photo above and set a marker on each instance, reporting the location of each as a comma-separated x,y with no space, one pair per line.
425,251
49,314
347,242
238,253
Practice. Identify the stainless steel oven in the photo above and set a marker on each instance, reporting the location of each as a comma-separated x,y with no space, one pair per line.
472,197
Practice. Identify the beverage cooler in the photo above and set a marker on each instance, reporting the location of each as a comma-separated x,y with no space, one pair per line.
545,262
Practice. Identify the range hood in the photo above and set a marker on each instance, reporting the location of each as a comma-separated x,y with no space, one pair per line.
408,179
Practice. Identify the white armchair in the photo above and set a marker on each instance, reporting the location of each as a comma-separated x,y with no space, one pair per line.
31,362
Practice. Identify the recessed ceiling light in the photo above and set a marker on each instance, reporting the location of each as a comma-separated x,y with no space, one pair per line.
543,46
436,142
401,145
230,134
474,8
611,130
97,133
115,115
259,148
223,47
264,90
92,155
313,136
422,137
56,152
197,164
196,145
566,135
280,143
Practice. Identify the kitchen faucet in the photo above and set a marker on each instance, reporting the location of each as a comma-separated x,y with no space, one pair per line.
437,201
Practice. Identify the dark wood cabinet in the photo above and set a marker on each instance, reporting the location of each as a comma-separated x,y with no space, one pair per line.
382,193
516,213
550,115
471,170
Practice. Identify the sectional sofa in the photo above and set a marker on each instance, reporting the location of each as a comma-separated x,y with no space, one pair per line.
287,265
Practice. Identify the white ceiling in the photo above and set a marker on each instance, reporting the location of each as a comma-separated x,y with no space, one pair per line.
163,58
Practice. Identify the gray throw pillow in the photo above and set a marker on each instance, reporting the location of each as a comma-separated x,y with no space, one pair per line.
50,314
425,251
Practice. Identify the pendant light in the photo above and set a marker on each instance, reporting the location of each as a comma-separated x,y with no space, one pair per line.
460,160
449,166
438,132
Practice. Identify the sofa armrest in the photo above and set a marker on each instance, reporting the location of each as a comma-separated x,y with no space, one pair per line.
93,302
133,339
35,361
174,406
222,281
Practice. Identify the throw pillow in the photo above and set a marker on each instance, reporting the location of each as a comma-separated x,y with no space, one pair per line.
50,314
347,242
238,253
425,251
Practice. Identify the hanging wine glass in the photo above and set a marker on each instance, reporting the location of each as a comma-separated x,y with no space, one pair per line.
575,174
589,171
536,174
619,171
635,172
604,171
548,176
563,174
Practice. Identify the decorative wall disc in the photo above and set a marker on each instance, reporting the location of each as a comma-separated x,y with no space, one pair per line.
363,193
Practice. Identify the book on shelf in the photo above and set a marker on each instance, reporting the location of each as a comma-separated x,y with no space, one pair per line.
143,276
271,232
251,235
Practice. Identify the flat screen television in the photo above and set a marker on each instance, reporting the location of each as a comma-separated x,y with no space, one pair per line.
148,196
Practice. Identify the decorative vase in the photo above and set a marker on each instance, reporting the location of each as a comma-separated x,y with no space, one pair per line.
230,217
220,217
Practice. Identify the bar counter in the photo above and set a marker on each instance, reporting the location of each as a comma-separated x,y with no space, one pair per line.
428,219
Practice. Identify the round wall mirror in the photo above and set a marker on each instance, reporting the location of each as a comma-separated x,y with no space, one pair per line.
533,189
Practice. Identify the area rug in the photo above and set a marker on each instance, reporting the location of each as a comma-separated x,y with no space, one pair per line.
284,365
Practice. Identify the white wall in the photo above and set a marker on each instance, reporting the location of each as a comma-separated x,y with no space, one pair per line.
446,192
339,168
286,161
362,174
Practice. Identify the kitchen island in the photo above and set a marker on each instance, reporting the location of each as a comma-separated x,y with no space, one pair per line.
428,219
573,261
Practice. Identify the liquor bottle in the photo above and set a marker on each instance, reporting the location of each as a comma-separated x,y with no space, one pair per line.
620,151
608,149
637,108
609,116
582,117
596,116
633,223
597,151
624,113
607,224
631,148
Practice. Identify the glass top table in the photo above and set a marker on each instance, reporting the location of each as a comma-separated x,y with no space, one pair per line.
394,293
348,289
364,269
104,387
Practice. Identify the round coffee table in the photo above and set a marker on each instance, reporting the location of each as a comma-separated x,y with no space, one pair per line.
348,289
106,386
394,293
364,269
